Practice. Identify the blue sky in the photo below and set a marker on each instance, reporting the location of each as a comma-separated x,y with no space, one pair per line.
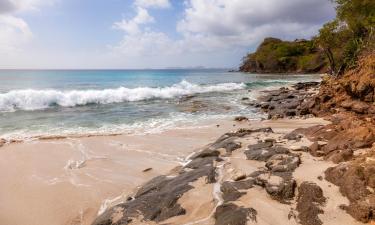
148,33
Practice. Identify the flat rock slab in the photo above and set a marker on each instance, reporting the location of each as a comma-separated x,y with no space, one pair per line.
157,200
263,154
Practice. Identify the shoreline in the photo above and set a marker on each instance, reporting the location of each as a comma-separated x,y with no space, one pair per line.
190,108
245,175
52,167
104,179
59,165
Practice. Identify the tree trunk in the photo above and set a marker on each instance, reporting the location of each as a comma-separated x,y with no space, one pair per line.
332,65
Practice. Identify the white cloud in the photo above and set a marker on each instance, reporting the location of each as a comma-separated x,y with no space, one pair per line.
210,27
248,21
132,26
153,3
147,43
14,31
209,32
11,6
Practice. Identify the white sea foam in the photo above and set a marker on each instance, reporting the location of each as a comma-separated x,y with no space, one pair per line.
41,99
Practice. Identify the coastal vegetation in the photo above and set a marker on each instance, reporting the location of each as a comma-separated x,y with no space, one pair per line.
277,56
335,49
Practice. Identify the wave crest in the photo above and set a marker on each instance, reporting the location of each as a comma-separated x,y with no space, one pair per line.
41,99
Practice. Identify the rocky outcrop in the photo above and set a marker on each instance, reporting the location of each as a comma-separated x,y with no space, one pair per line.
352,128
276,177
157,199
339,140
353,93
349,103
276,56
287,102
356,181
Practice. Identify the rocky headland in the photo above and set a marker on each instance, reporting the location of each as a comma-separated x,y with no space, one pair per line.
321,174
277,56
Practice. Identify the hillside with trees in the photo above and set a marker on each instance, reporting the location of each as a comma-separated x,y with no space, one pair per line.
335,49
277,56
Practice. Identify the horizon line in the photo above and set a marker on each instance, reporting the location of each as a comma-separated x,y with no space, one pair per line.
119,69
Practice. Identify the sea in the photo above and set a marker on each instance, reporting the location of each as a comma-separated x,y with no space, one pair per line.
44,103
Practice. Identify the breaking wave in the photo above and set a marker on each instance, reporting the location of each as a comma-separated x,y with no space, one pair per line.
41,99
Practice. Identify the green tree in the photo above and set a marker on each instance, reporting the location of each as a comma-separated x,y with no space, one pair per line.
359,15
327,40
344,38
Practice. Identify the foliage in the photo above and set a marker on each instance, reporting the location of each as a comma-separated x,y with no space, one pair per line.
275,55
335,49
343,39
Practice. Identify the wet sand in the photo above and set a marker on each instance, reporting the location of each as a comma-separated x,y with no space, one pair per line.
69,181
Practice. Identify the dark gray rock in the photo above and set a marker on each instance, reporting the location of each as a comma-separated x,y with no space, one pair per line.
241,118
283,191
244,184
305,85
199,162
283,162
309,202
231,214
206,153
157,199
230,192
263,154
294,135
260,145
288,102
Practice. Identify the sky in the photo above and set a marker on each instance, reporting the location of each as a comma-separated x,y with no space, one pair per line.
135,34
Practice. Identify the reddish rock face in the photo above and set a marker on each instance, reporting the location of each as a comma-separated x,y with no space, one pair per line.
355,178
353,92
349,103
338,140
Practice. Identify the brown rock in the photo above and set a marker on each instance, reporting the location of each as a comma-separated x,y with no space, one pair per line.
355,180
315,150
309,202
360,107
362,211
341,156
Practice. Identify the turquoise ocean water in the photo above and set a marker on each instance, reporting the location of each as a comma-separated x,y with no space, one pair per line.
64,102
